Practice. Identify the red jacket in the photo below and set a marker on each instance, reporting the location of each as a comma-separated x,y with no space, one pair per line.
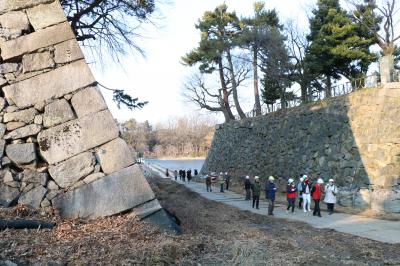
316,192
291,192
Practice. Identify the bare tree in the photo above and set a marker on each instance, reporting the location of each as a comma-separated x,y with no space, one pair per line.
209,95
381,19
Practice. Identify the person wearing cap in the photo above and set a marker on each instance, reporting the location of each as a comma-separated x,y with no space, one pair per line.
291,194
221,180
299,188
316,192
330,195
227,180
306,190
270,190
256,189
247,187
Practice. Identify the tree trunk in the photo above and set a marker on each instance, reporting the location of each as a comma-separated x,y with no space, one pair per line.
303,88
328,87
234,86
25,224
257,104
225,99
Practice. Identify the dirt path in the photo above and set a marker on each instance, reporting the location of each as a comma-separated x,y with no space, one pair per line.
213,234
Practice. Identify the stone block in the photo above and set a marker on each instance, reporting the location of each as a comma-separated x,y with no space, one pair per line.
9,68
15,20
112,194
52,194
23,132
9,34
114,156
53,84
38,120
37,61
33,198
93,177
21,153
64,141
2,129
14,125
52,185
45,203
88,101
27,188
56,113
36,40
34,177
11,5
146,209
8,177
14,184
66,52
8,195
3,82
42,16
26,116
70,171
2,144
11,109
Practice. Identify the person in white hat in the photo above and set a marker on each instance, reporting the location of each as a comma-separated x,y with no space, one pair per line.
305,191
316,192
291,195
256,188
270,190
299,188
330,195
221,180
247,187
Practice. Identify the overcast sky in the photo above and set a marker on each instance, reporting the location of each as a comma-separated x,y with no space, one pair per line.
159,77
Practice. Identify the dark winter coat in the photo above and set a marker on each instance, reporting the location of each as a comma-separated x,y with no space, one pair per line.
270,190
256,188
247,184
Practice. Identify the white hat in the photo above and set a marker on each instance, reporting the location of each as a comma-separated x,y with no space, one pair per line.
221,173
331,180
247,177
320,181
290,181
271,178
256,177
301,179
305,177
226,173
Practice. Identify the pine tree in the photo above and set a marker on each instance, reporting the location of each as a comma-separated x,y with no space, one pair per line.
339,46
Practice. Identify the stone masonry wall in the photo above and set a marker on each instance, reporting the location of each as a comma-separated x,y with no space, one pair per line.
354,139
59,144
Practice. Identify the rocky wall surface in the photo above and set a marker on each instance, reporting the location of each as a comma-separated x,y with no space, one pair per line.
354,139
59,144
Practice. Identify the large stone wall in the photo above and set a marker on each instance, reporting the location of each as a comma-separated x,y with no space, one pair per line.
59,144
354,139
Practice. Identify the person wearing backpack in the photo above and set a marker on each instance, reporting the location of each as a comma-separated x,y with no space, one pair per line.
270,190
256,188
330,195
291,194
316,192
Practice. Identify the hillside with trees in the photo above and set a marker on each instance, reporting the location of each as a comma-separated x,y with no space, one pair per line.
184,137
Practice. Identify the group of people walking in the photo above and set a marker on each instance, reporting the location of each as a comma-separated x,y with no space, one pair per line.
183,174
222,179
305,191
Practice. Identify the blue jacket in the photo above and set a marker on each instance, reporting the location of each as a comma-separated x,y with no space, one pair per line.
270,190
